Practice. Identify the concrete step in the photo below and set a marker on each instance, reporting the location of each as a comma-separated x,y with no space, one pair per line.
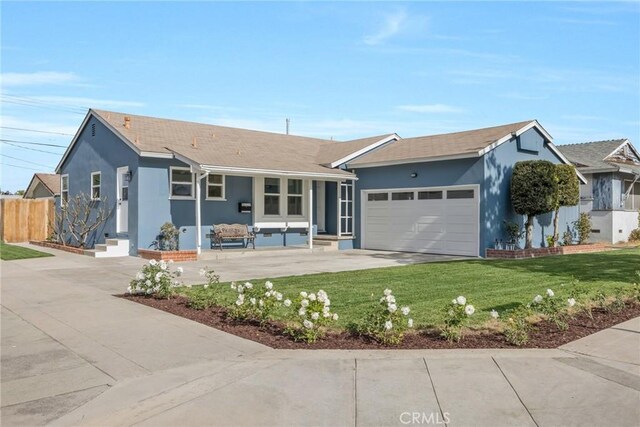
327,245
112,248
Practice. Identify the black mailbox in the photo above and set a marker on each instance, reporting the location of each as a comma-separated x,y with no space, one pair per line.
244,207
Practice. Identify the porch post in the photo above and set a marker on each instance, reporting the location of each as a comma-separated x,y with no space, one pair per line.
199,177
339,213
310,214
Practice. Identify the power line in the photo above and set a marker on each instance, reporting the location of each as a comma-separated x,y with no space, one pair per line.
30,102
21,167
33,143
26,161
35,130
29,148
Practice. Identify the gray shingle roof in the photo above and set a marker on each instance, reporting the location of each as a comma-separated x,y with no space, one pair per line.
450,144
590,156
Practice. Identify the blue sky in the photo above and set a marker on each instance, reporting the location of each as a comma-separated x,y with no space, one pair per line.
341,70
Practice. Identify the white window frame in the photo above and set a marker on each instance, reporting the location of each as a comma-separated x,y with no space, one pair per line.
171,182
63,190
635,198
301,196
279,194
346,208
212,184
282,219
99,186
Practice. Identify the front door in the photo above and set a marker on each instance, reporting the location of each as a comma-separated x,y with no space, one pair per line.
122,206
320,206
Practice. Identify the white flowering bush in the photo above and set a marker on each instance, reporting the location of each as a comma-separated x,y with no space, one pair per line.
156,278
207,295
516,324
386,322
310,315
552,307
456,314
254,302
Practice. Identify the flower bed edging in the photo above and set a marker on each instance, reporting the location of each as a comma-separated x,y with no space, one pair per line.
52,245
177,256
540,252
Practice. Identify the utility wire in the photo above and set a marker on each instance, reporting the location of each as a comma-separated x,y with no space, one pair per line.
32,143
32,149
26,161
35,130
25,104
21,167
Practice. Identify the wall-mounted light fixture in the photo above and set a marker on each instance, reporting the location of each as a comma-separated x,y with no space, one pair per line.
128,176
414,175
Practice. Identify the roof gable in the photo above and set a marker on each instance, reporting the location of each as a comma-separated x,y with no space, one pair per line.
50,181
609,155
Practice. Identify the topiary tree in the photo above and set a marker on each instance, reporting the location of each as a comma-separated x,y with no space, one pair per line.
534,188
568,194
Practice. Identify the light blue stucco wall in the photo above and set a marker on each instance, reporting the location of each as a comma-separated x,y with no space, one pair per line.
496,204
104,152
156,208
602,190
430,174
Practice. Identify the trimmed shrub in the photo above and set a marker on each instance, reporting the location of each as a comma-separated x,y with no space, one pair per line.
568,193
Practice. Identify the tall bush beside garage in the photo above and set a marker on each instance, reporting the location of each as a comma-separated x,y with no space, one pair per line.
568,193
534,190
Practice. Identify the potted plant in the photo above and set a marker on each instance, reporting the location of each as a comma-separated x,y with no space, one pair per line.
514,233
168,239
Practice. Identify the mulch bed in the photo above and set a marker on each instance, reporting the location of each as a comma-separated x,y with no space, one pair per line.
544,335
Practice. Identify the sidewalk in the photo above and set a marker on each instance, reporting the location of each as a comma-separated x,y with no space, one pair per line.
72,354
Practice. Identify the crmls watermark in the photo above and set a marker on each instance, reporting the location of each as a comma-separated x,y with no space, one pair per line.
429,418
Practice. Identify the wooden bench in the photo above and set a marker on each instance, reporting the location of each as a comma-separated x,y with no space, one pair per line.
223,232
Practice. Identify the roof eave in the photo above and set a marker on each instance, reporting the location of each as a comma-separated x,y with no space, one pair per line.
364,150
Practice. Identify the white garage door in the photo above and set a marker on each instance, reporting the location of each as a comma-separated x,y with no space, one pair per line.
431,220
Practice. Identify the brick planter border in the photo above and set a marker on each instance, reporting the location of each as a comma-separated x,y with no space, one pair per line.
52,245
177,256
540,252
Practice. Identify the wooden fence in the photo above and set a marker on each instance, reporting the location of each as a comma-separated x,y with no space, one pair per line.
22,220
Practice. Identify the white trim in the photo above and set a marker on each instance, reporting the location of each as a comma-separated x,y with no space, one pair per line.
223,185
91,186
62,190
362,151
364,201
119,172
283,217
171,196
229,170
156,155
626,141
532,124
411,161
310,210
198,209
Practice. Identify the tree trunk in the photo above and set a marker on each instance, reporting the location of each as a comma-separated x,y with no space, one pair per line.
529,233
556,237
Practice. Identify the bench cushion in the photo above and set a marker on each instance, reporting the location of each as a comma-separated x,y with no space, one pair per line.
232,230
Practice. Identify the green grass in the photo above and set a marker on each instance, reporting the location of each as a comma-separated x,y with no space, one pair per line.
487,284
12,252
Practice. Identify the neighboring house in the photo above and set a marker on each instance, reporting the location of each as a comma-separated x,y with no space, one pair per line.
446,194
43,185
612,193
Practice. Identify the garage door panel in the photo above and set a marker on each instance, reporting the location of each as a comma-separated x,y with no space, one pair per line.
445,226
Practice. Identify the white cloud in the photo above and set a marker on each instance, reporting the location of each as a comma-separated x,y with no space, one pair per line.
429,108
38,78
83,102
392,24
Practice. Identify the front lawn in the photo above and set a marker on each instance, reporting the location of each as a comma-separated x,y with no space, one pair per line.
12,252
487,284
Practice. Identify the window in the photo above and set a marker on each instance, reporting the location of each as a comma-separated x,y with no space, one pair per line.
346,208
632,202
460,194
64,189
181,183
215,187
294,197
378,197
429,195
95,185
272,196
404,195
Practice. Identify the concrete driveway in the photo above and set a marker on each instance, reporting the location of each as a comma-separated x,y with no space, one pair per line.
72,354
